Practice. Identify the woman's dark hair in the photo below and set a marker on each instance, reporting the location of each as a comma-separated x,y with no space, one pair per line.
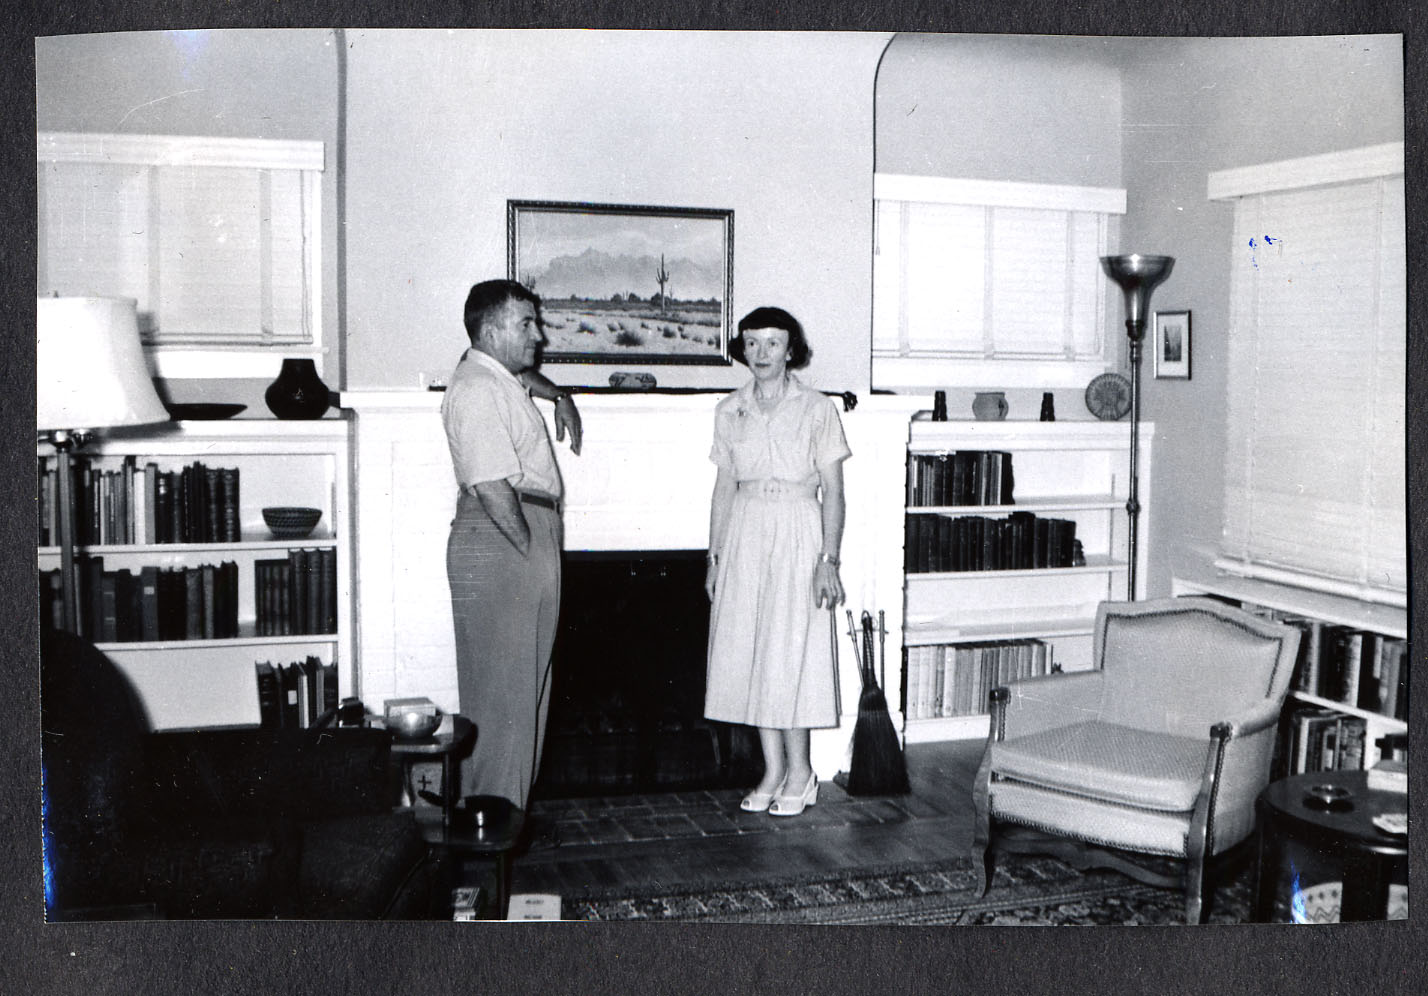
492,295
773,318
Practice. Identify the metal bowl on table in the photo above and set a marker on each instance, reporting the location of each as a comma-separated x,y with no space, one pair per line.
412,724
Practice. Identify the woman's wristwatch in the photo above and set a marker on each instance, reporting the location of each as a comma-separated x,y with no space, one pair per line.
560,396
828,558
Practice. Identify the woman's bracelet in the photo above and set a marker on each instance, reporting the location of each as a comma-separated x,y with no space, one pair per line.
712,558
828,558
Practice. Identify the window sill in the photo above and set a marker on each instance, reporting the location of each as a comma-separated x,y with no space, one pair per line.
227,364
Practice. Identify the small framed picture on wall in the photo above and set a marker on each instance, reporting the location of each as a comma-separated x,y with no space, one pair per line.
1172,345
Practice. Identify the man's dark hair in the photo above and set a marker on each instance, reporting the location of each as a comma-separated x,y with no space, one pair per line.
488,297
773,318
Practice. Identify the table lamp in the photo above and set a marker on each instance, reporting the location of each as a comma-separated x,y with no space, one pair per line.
90,374
1137,276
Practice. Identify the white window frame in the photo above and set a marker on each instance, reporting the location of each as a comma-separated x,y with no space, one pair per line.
1353,568
189,359
910,369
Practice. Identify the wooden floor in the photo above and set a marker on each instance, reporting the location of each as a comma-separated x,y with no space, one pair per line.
696,839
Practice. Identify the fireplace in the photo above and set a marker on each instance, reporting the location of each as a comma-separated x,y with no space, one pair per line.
627,693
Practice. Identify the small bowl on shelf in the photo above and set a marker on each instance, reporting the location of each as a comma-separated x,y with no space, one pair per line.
291,521
412,724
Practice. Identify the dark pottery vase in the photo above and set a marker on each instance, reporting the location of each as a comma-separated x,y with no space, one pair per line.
298,392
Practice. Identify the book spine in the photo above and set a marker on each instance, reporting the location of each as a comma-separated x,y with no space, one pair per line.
269,706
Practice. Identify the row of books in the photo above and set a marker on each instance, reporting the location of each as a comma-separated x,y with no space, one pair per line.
153,603
955,679
293,696
296,594
1020,541
1319,739
1352,666
1344,664
965,477
142,504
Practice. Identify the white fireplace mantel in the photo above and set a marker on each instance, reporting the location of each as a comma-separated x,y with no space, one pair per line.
641,482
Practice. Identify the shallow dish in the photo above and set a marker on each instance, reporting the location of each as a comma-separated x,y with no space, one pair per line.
291,521
203,412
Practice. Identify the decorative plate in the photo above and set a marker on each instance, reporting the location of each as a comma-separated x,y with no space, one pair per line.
1108,397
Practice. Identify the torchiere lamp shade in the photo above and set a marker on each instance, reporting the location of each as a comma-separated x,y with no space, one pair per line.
1137,276
90,365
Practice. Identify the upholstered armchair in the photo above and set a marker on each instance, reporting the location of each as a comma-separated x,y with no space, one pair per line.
1159,749
237,822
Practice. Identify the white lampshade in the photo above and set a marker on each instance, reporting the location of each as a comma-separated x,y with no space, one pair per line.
90,365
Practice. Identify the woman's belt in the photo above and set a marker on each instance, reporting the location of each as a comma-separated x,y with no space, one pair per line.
770,487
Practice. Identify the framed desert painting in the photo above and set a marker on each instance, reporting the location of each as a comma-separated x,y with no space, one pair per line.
625,283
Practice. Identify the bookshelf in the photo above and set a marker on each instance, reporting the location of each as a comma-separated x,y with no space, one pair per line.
197,668
1005,601
1334,613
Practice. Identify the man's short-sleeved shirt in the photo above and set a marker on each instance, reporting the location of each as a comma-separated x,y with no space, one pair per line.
494,430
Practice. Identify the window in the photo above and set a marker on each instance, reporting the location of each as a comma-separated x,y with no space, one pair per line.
217,239
1315,461
982,283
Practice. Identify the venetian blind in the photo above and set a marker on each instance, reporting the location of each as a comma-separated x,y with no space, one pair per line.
215,239
1315,455
997,276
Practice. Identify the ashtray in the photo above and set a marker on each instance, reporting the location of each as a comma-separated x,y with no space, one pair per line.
1333,798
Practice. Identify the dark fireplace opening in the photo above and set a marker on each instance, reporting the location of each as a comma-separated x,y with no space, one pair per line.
627,693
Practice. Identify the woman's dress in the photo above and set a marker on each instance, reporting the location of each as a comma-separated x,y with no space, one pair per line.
771,659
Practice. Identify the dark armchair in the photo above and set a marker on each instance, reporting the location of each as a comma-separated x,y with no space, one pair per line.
1159,750
239,822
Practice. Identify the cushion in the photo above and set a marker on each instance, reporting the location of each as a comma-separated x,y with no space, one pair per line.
1181,670
1119,764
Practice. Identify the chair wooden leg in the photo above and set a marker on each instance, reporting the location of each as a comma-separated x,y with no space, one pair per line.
982,823
1194,891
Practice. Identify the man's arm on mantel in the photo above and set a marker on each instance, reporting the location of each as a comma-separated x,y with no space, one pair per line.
567,416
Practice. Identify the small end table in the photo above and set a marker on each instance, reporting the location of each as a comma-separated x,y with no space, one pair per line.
1370,859
446,746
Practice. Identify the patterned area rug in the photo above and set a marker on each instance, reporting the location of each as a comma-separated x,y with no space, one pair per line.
1025,890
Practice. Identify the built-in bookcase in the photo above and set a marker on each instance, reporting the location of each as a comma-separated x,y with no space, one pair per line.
198,668
1360,671
1026,597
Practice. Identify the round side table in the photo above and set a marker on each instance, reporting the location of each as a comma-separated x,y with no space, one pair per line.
1369,860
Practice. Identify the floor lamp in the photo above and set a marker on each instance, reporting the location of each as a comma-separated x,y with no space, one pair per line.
90,374
1137,276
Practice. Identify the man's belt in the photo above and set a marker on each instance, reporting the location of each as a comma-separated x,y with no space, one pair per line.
544,501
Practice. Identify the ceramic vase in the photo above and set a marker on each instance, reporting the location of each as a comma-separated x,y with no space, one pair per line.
989,406
298,392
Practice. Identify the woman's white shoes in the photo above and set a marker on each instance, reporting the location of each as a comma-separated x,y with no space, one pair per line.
758,802
792,805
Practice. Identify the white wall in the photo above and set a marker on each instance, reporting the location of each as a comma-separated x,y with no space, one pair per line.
444,127
1033,109
1193,106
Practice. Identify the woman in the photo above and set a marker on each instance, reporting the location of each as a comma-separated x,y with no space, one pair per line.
776,523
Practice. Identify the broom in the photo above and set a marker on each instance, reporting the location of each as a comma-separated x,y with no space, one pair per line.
877,767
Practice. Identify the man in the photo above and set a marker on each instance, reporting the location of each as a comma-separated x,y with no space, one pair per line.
503,555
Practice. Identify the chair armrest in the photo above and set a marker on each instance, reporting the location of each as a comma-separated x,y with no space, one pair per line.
1049,701
1237,762
273,773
